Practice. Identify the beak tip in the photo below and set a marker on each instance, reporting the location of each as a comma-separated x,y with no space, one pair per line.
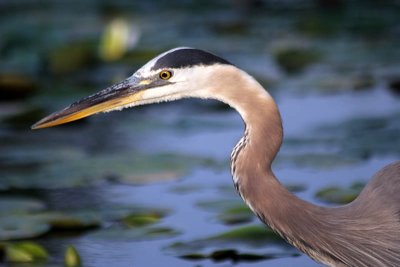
36,126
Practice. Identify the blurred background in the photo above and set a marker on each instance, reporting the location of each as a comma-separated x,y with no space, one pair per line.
151,186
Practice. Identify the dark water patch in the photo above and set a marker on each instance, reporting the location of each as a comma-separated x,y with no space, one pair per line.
16,86
24,118
394,86
234,256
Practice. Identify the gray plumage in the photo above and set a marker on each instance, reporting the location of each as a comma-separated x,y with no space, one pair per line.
365,232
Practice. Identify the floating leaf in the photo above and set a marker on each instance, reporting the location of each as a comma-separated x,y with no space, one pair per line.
115,39
251,236
72,168
26,252
220,204
71,257
294,60
339,195
21,227
142,219
71,57
20,205
236,215
77,221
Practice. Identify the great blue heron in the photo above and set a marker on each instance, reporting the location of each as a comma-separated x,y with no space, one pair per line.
365,232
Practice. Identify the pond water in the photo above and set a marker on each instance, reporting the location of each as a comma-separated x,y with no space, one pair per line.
151,186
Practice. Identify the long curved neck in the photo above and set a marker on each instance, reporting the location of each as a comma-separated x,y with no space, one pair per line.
325,234
251,167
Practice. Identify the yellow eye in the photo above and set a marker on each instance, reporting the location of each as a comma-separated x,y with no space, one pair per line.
165,74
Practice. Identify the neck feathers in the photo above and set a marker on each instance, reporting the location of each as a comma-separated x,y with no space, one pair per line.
325,234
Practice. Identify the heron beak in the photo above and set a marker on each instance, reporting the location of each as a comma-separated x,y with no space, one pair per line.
117,96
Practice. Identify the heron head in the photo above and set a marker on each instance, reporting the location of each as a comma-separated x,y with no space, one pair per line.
178,73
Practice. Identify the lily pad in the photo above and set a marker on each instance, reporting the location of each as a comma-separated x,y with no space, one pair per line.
72,168
220,204
71,257
69,221
251,235
71,57
21,227
143,219
236,215
357,137
339,195
25,252
14,205
294,59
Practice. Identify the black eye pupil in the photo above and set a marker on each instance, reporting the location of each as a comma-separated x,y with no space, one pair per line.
165,75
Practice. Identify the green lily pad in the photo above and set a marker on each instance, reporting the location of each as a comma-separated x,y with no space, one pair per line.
70,221
21,227
236,215
220,204
65,167
26,252
358,137
14,205
71,57
293,59
250,235
339,195
230,210
71,257
143,219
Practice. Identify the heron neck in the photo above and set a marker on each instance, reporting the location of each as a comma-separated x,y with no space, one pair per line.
251,168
